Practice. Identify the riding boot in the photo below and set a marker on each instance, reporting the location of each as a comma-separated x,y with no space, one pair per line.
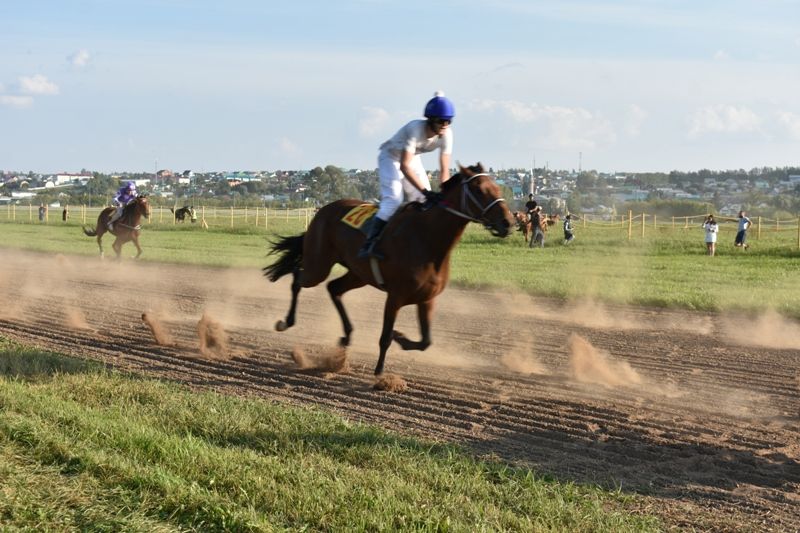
368,248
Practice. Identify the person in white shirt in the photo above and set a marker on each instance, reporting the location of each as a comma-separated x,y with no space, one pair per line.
400,166
711,227
741,234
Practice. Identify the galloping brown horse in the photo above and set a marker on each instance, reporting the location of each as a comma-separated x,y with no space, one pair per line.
126,228
416,246
523,224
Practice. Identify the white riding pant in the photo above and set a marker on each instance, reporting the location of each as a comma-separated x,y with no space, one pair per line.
117,213
394,184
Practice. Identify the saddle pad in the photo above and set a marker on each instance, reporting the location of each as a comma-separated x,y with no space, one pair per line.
356,217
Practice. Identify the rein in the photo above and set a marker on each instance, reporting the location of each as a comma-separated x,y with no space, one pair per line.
466,194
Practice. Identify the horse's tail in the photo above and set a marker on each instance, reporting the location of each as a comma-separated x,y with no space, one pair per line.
291,256
90,232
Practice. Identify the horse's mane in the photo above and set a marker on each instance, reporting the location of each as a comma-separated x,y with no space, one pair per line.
458,177
129,208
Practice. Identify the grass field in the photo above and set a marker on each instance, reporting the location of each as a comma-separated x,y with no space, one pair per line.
667,266
86,449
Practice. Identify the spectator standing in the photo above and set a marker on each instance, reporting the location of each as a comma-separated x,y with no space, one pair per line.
569,235
530,205
65,213
536,224
42,212
741,234
711,227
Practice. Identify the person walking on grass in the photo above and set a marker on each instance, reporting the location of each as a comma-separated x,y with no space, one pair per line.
741,234
569,234
712,228
536,224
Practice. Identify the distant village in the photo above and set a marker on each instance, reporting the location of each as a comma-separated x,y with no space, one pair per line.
726,192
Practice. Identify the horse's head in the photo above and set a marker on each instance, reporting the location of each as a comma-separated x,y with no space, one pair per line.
473,194
143,205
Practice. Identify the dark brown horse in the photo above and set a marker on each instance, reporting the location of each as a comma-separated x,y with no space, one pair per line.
126,228
416,246
183,212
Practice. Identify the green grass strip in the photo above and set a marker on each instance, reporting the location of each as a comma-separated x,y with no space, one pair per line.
82,448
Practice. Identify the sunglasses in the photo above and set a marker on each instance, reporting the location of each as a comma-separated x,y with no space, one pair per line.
441,121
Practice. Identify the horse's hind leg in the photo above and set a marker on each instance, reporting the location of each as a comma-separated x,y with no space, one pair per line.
424,313
100,245
338,287
283,325
117,246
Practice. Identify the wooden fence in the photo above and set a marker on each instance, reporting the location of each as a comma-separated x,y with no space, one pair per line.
207,217
262,217
643,222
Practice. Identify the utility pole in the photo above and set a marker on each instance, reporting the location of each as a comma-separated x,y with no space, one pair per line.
580,161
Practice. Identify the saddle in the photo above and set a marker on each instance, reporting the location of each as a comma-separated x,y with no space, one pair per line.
361,216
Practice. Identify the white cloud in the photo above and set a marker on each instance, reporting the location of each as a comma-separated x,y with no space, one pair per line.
16,101
374,122
721,55
565,127
792,123
287,147
79,58
37,84
634,119
723,119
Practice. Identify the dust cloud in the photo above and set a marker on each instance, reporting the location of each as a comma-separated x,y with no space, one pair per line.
213,338
75,318
521,363
390,383
160,333
769,329
330,361
590,365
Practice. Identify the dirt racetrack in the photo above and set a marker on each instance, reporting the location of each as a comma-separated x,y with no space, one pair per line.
698,412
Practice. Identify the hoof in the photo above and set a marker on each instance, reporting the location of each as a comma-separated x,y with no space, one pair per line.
344,342
280,325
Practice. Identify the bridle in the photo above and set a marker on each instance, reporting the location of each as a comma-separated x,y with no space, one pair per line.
469,202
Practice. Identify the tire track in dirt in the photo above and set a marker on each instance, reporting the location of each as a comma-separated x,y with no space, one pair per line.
710,435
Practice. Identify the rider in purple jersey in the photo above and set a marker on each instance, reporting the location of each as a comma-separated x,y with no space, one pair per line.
125,195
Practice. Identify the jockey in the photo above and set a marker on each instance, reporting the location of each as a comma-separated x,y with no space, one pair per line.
400,165
125,195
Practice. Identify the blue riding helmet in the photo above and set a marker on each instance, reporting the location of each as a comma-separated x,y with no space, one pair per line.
440,107
131,186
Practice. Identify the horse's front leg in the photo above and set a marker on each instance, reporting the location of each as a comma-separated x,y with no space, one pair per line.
424,313
390,310
138,248
336,289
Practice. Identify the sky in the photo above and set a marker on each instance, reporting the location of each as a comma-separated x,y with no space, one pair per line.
609,85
